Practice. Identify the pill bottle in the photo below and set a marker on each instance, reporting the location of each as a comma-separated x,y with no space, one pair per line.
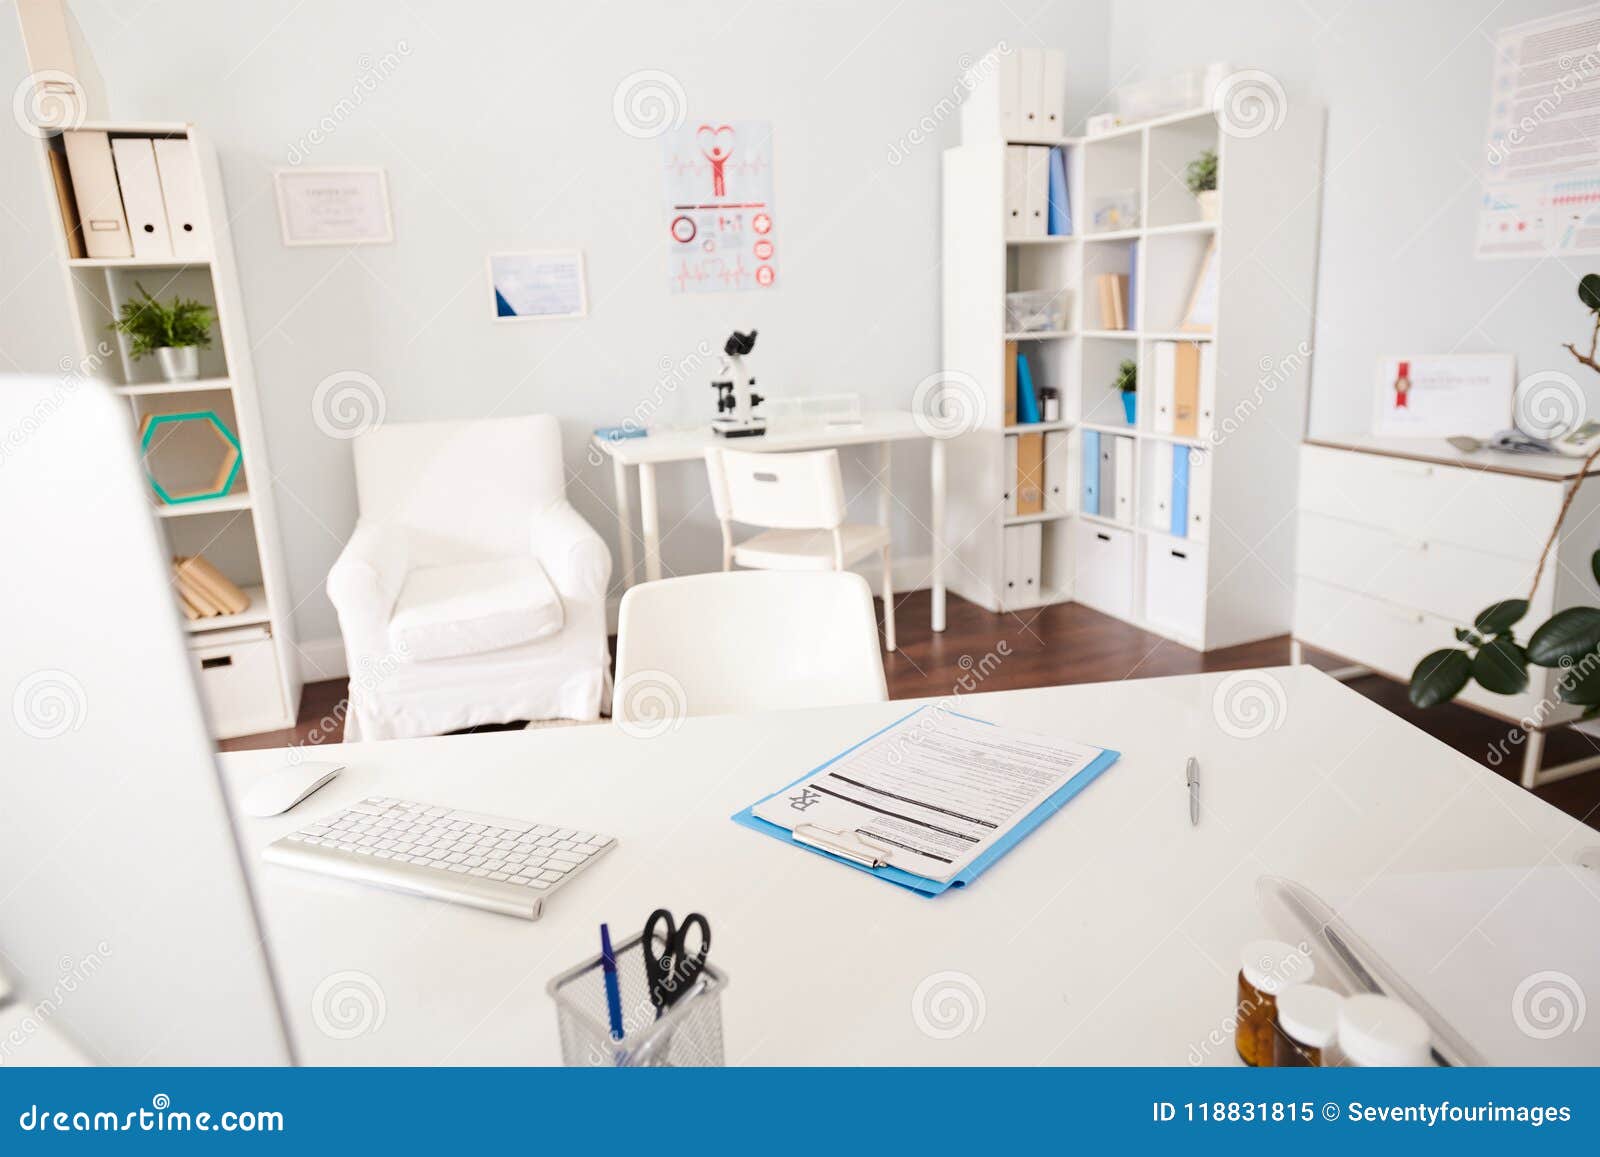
1378,1031
1266,968
1308,1026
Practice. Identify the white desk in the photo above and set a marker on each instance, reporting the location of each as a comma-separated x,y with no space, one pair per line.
883,428
1110,935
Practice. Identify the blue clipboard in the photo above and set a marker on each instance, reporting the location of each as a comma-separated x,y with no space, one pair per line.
921,884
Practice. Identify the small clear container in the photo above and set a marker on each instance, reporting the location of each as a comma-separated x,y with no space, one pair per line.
687,1035
1034,310
1118,209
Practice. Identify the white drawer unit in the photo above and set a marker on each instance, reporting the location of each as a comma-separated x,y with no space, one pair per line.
1400,543
1103,568
1175,585
237,674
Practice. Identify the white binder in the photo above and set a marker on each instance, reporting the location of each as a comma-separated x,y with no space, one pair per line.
1158,504
94,184
1036,199
1208,388
1053,102
180,189
141,196
1008,79
1022,547
1166,385
1057,491
1009,480
1123,465
1199,494
1016,190
1010,568
1030,93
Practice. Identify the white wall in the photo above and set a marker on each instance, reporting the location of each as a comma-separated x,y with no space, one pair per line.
1406,88
497,130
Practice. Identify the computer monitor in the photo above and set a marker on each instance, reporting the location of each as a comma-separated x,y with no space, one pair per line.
126,918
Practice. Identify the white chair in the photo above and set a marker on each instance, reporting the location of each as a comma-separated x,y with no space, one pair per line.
712,644
471,592
799,498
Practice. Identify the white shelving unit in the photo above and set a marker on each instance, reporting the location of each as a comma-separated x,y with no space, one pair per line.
245,663
1229,580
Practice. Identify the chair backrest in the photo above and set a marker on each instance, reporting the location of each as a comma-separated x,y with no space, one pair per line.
711,644
784,491
464,490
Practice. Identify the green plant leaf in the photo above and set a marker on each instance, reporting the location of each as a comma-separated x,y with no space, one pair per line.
1594,565
1498,618
1581,685
1568,634
1501,666
1465,636
1440,677
1589,291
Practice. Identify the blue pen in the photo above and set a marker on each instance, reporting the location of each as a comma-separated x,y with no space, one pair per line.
608,965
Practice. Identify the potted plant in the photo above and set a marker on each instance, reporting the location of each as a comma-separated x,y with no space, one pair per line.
1201,177
1569,640
1128,382
174,331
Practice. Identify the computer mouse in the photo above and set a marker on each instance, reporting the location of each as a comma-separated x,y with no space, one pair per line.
280,790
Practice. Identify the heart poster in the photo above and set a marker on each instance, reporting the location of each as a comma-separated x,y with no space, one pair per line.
718,182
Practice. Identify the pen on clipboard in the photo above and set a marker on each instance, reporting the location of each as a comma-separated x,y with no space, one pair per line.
1191,777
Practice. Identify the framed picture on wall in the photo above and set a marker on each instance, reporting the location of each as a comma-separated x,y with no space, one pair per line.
348,206
537,286
1440,395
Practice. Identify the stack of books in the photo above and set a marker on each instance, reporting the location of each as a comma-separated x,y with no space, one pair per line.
204,591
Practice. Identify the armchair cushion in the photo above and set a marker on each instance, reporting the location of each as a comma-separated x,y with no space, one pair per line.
468,608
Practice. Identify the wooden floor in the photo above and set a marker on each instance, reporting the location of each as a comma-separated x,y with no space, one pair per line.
1071,644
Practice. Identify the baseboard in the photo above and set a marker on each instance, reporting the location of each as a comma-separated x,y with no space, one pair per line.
322,659
910,574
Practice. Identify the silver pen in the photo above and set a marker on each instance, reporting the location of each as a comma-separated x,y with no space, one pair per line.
1192,778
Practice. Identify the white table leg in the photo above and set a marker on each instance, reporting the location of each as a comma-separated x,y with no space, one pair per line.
936,479
619,482
885,493
1532,756
650,517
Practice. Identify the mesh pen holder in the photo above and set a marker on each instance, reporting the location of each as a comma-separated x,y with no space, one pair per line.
688,1034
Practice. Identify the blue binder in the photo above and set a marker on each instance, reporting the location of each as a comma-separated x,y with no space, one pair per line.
1027,396
1091,472
1059,221
1180,491
921,884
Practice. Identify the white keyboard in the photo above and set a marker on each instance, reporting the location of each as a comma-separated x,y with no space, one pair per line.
491,862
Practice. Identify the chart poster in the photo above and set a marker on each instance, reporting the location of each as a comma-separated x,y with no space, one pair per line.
1541,192
718,180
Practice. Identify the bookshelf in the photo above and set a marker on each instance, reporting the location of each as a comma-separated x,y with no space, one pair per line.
245,663
1229,578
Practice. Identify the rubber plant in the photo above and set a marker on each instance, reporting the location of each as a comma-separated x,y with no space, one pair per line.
1490,654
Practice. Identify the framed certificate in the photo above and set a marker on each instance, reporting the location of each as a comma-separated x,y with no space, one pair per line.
333,206
1439,395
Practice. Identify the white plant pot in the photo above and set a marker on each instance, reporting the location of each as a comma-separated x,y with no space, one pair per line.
1208,204
179,363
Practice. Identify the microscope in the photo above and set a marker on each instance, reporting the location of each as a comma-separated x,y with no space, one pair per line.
736,396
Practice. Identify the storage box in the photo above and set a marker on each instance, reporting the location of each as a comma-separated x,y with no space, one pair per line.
1035,310
237,675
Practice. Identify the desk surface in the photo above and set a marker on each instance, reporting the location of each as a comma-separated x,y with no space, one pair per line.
1110,935
685,445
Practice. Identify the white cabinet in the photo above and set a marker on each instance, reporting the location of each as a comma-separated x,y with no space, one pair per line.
1104,568
1175,585
1401,542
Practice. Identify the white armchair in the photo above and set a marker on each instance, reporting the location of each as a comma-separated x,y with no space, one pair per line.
471,591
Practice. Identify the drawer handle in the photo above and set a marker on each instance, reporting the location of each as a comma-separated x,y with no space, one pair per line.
219,661
1414,471
1102,536
1179,554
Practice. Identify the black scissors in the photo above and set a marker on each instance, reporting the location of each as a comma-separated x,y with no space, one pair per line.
673,972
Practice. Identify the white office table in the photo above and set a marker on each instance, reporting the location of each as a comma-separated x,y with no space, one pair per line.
883,428
1110,935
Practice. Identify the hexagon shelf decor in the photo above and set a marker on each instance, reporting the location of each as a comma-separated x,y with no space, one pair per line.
227,465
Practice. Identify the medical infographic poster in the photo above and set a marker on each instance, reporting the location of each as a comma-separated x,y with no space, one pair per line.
718,182
1541,192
